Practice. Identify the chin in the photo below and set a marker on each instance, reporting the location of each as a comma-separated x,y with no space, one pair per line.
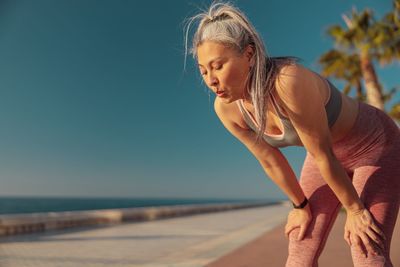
224,99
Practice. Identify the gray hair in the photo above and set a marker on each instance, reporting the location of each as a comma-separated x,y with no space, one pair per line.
226,24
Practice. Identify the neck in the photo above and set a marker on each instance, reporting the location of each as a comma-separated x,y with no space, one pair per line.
247,101
247,98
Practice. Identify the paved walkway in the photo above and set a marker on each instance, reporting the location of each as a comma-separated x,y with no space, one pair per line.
179,242
270,249
246,238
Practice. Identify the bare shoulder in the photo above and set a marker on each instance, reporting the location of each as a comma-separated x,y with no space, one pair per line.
293,74
297,83
229,113
222,109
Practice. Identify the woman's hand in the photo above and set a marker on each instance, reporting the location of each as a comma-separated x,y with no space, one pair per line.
298,218
361,229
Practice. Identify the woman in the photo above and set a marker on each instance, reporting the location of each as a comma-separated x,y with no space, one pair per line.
268,103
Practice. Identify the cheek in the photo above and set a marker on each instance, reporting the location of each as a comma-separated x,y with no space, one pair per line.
235,77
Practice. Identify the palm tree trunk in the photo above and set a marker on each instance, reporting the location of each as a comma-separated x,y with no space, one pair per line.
372,86
359,90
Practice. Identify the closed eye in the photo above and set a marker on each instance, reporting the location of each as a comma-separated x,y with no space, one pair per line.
217,67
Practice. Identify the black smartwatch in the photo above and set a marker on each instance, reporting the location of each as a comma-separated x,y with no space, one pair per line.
302,205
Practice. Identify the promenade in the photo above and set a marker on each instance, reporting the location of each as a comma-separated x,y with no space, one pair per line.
251,237
182,241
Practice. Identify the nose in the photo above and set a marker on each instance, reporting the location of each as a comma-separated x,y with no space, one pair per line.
212,81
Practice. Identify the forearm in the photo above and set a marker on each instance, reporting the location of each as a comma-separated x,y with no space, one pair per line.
337,179
283,176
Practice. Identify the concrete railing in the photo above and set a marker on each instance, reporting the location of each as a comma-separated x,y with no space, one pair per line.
14,224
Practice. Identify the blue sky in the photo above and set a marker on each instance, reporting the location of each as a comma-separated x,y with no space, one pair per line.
95,102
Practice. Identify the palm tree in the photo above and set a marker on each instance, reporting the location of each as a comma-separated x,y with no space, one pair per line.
392,49
364,41
343,67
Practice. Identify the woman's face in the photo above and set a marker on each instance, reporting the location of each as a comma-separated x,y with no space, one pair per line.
224,70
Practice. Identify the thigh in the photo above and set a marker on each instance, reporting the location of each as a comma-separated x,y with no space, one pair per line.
378,186
324,206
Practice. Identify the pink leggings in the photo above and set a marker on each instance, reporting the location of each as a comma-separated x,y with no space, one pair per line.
370,153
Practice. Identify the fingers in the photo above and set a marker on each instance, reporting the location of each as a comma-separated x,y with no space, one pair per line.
303,229
357,244
375,238
363,234
371,223
288,229
371,247
347,237
374,232
378,231
302,232
298,219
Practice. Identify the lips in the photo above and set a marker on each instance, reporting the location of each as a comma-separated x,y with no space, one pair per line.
220,93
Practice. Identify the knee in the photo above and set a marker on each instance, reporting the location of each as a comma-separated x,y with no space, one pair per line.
304,253
359,259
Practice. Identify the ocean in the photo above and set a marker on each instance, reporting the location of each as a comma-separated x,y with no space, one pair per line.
17,205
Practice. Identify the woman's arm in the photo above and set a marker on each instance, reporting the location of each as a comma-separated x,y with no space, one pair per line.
305,107
271,159
297,88
283,176
275,166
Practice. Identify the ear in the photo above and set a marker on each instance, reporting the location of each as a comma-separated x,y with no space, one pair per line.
249,52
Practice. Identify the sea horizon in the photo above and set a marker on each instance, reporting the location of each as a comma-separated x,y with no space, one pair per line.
36,204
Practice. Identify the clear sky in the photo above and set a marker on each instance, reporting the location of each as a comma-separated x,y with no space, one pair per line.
94,100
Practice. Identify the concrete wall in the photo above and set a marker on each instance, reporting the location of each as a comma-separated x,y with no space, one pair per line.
14,224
